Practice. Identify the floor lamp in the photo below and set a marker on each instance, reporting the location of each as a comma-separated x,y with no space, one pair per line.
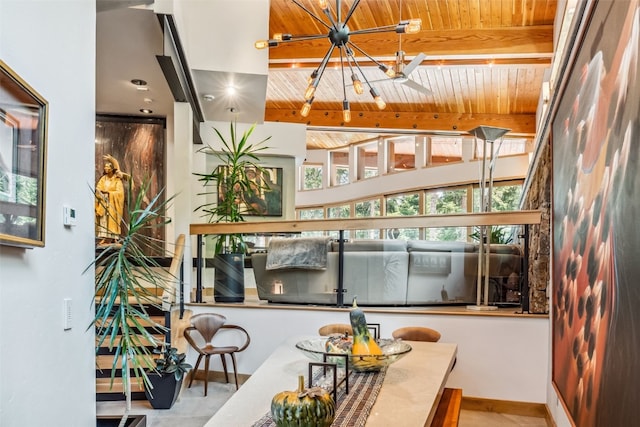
489,136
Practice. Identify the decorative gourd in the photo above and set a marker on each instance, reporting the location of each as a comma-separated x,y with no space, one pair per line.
313,407
363,342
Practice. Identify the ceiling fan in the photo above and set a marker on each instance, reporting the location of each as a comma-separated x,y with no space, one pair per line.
403,71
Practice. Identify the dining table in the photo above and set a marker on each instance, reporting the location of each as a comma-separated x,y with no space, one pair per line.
411,388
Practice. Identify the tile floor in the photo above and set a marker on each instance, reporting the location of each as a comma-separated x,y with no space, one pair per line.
193,409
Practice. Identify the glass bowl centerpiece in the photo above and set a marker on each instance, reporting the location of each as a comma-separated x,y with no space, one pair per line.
392,351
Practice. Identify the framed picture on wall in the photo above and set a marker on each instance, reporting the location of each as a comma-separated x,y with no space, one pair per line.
23,137
265,196
138,145
595,294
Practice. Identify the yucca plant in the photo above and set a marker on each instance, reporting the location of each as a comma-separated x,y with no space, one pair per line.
238,158
125,276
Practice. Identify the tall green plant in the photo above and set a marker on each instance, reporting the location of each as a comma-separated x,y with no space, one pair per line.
124,274
497,234
237,157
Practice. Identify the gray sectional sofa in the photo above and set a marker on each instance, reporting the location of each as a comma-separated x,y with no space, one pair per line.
383,272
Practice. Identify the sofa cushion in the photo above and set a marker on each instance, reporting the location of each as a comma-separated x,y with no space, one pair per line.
371,245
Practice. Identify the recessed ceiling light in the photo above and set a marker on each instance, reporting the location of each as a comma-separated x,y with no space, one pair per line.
139,82
230,90
209,97
146,111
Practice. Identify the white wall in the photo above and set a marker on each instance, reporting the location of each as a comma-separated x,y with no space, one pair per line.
501,358
47,374
285,149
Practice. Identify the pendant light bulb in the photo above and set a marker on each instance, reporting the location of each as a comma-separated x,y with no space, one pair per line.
413,26
376,98
346,112
357,84
312,77
306,108
310,92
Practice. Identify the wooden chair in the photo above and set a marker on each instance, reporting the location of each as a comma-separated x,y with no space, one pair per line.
416,333
335,328
206,325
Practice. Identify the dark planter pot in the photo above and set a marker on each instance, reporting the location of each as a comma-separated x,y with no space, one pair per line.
165,390
132,421
229,278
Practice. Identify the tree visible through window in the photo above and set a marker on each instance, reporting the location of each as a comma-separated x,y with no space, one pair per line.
442,202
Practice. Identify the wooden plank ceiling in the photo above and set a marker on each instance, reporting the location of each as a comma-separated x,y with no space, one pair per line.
485,63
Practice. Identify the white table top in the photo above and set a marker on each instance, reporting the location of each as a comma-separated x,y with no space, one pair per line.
411,387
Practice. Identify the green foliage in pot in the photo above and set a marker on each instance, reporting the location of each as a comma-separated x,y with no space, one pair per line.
125,278
171,362
232,183
497,234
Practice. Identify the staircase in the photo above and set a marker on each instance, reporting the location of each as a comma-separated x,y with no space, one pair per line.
160,313
104,364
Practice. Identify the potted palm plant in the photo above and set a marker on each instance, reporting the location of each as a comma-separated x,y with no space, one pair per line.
165,381
236,194
125,278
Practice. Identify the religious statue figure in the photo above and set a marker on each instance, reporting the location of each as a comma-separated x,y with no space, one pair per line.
110,201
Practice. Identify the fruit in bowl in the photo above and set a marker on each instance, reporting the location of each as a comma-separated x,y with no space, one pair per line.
365,354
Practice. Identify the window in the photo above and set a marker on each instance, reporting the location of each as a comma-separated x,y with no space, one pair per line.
506,147
367,160
339,166
368,208
505,197
445,150
343,211
403,205
402,153
444,201
316,213
312,177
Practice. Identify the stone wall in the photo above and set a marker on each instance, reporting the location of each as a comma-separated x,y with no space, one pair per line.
538,197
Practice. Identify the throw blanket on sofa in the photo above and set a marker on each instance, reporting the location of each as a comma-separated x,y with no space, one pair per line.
307,253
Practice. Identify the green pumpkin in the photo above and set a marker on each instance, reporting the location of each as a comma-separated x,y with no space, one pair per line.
312,407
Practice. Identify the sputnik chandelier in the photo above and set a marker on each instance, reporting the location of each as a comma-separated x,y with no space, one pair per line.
339,35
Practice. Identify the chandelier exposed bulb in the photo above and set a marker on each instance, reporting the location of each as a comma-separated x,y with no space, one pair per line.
306,108
346,112
357,84
313,76
390,72
376,98
410,26
340,37
310,92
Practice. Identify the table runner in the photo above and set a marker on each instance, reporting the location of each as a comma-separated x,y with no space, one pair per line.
352,410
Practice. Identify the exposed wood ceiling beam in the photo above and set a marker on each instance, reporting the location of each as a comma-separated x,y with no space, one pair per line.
520,124
494,42
475,61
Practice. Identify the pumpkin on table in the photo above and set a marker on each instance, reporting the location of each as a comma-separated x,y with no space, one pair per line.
313,407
